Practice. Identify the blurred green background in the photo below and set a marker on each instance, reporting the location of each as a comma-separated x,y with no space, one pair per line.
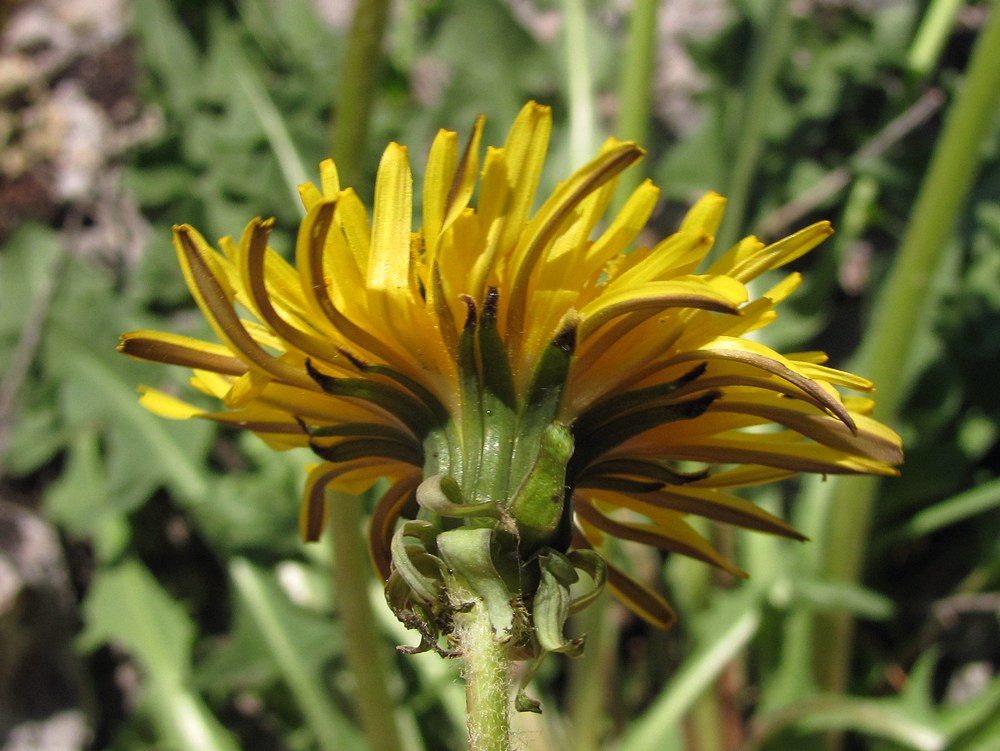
154,593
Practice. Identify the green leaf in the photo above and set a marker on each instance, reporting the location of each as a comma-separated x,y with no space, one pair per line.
958,508
127,605
25,266
723,630
144,451
834,595
171,58
80,502
291,644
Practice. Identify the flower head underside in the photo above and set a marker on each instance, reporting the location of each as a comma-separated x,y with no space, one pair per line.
537,372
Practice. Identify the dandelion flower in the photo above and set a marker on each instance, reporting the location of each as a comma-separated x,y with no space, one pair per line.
537,377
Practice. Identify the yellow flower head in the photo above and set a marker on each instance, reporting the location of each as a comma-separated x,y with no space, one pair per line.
540,370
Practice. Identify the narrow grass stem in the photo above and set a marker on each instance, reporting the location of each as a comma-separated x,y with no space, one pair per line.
581,87
364,649
769,51
590,678
487,680
635,94
890,335
356,88
929,41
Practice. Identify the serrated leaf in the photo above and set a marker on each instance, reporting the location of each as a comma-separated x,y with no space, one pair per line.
298,646
144,451
79,500
126,605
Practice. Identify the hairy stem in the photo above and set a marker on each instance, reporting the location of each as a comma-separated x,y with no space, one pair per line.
487,680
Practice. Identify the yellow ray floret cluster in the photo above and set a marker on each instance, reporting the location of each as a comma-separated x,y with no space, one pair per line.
409,354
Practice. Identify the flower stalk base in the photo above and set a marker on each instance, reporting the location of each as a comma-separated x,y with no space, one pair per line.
487,679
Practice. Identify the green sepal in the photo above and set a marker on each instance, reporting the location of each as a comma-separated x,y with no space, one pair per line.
360,448
596,569
468,552
620,403
654,472
431,402
541,401
406,407
418,566
538,504
414,614
468,385
441,495
553,603
605,437
497,377
524,703
550,608
498,405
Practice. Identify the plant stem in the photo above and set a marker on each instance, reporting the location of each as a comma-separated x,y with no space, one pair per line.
364,648
902,303
356,88
635,92
930,38
581,96
769,51
591,677
487,680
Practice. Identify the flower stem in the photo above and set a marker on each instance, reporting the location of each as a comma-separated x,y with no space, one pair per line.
635,92
581,94
487,680
364,649
356,88
892,331
590,678
929,41
769,51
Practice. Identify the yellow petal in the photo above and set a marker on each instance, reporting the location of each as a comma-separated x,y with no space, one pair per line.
705,216
389,262
164,405
721,295
749,258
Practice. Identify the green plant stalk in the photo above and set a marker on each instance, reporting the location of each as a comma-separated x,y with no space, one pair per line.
184,721
589,677
732,626
931,36
706,723
884,354
634,95
769,52
486,668
580,84
352,574
310,697
356,89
